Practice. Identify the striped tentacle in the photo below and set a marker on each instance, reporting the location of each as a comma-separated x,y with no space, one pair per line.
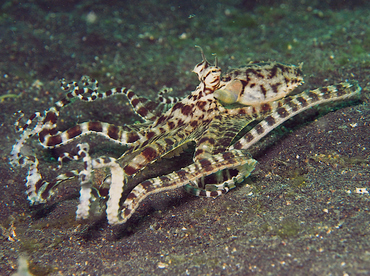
167,101
151,110
46,124
40,190
89,92
217,139
224,128
185,121
227,178
221,131
296,104
117,179
16,158
117,184
139,158
127,135
74,91
84,179
189,174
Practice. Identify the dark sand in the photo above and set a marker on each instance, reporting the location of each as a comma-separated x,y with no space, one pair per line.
298,215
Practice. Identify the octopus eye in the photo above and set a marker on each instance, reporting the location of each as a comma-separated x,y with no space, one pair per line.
226,96
230,93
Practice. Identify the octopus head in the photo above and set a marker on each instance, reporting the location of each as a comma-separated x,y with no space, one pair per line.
208,74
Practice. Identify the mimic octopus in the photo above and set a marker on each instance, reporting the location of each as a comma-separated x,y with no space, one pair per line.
210,117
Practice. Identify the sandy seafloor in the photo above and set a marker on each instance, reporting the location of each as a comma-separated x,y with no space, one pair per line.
299,213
